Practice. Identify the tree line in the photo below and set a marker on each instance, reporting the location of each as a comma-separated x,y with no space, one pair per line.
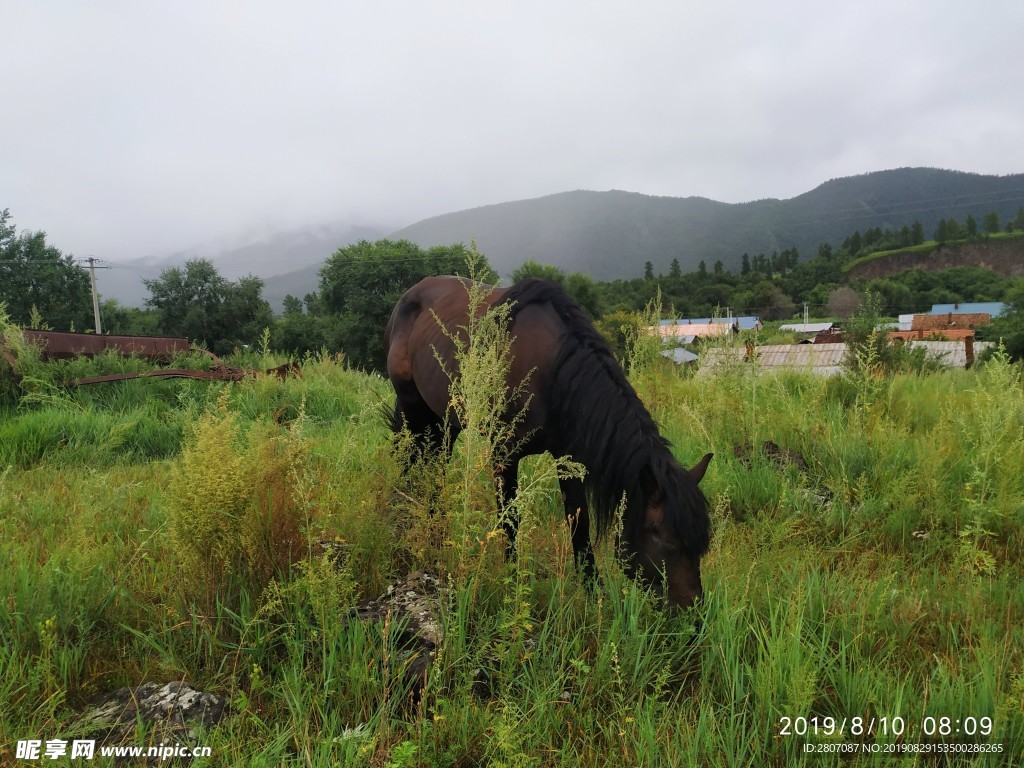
360,283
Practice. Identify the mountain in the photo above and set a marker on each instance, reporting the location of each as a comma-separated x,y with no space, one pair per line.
299,251
611,234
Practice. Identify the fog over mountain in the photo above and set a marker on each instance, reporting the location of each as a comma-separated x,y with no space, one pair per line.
611,234
288,262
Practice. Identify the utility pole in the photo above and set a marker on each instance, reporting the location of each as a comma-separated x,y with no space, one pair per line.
95,296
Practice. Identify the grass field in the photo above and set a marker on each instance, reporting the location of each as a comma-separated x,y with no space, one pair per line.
866,568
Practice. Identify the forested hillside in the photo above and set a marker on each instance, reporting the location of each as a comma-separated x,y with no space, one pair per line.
607,235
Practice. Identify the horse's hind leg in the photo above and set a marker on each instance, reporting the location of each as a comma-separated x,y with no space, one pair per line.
508,485
427,430
577,515
429,444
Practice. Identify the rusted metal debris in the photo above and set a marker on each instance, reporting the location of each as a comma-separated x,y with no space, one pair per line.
62,345
219,372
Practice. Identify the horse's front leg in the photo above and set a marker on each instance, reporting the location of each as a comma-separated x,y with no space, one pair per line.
577,515
507,481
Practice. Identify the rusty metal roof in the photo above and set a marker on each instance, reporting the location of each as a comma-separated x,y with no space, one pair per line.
950,320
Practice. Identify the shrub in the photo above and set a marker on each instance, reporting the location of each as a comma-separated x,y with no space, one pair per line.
237,514
872,353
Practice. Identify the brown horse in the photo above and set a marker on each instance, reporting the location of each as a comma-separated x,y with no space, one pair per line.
578,403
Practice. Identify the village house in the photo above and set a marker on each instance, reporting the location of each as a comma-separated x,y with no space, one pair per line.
689,330
828,359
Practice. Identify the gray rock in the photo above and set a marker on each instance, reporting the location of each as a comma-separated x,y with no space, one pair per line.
412,602
172,709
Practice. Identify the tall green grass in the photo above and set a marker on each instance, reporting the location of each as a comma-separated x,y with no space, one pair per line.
871,570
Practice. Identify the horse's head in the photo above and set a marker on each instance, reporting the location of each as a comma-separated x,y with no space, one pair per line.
662,560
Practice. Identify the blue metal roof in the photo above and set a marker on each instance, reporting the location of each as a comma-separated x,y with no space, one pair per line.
807,327
679,355
994,308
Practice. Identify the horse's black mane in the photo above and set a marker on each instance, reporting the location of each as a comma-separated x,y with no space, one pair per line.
596,417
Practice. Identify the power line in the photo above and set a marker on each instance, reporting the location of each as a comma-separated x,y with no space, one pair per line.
46,261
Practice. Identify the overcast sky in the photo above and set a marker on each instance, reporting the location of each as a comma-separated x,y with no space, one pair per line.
132,129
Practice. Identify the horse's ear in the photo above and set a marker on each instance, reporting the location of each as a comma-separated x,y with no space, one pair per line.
697,473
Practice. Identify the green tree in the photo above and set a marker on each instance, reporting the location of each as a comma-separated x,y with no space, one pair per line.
581,287
648,271
186,298
971,226
843,302
771,303
674,270
129,321
531,268
893,295
36,275
199,304
710,298
1009,327
1018,220
991,223
585,292
245,312
917,233
299,331
360,284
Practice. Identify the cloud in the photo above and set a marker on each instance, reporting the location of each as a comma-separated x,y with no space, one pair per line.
135,129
